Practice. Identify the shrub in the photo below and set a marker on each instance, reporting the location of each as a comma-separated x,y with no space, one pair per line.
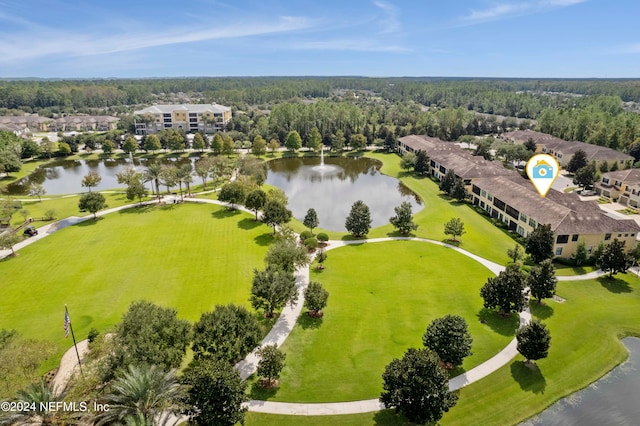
93,333
322,237
311,243
305,235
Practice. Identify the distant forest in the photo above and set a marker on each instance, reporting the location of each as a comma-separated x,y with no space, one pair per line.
585,110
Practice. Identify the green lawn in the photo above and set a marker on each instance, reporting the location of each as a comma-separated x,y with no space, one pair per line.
190,257
585,345
382,296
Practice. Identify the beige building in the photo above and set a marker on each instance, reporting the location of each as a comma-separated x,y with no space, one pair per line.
563,150
622,186
207,118
76,123
511,199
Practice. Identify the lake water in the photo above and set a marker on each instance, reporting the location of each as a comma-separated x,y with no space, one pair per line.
612,400
331,191
65,176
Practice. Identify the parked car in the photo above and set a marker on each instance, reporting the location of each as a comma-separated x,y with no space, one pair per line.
588,192
30,231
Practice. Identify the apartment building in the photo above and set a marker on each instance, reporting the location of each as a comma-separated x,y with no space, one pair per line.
21,124
207,118
563,150
622,186
512,199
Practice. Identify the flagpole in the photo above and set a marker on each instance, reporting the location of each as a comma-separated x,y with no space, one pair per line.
75,345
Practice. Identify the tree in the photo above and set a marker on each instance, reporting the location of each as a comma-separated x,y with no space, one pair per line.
274,145
92,202
30,149
259,146
91,180
390,143
417,386
63,149
314,141
36,189
358,142
534,341
272,289
403,220
108,146
216,393
217,144
232,193
408,161
8,240
256,200
152,143
422,162
143,393
577,161
154,174
129,145
358,222
37,397
531,145
506,291
153,335
228,333
454,227
542,280
271,363
183,173
136,189
483,149
515,254
285,255
198,142
539,244
448,337
311,220
585,176
253,167
447,182
203,167
337,141
581,255
47,146
275,213
228,147
613,258
315,297
459,192
293,142
126,176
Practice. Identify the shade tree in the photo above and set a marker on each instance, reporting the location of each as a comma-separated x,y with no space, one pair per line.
614,259
539,244
232,193
454,227
272,289
534,341
91,180
315,298
358,222
403,220
92,202
506,291
311,219
275,213
449,337
417,387
542,280
271,364
256,200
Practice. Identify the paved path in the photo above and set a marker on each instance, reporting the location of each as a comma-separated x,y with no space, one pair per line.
287,320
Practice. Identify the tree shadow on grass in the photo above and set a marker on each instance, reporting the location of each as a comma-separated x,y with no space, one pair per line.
89,222
248,223
528,377
505,326
145,208
542,311
307,322
456,243
264,239
615,285
257,391
224,213
390,418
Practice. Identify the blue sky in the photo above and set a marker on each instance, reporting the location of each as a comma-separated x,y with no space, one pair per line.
484,38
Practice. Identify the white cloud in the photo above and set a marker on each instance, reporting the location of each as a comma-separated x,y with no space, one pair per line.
391,21
512,10
46,42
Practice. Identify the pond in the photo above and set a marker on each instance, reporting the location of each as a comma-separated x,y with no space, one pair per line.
65,176
611,400
333,188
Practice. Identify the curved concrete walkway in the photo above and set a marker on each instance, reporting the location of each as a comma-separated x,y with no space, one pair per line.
288,318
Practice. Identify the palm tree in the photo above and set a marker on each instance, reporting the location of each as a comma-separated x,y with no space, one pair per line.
142,396
154,173
184,176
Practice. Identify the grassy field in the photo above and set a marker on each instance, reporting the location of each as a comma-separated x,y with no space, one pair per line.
190,257
585,332
382,297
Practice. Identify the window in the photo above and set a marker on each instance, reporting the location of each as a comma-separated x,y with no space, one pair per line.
607,237
475,190
521,231
490,197
619,235
499,203
512,212
558,251
523,217
574,237
562,239
532,223
483,193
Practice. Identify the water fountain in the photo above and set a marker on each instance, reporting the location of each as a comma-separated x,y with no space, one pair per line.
323,167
